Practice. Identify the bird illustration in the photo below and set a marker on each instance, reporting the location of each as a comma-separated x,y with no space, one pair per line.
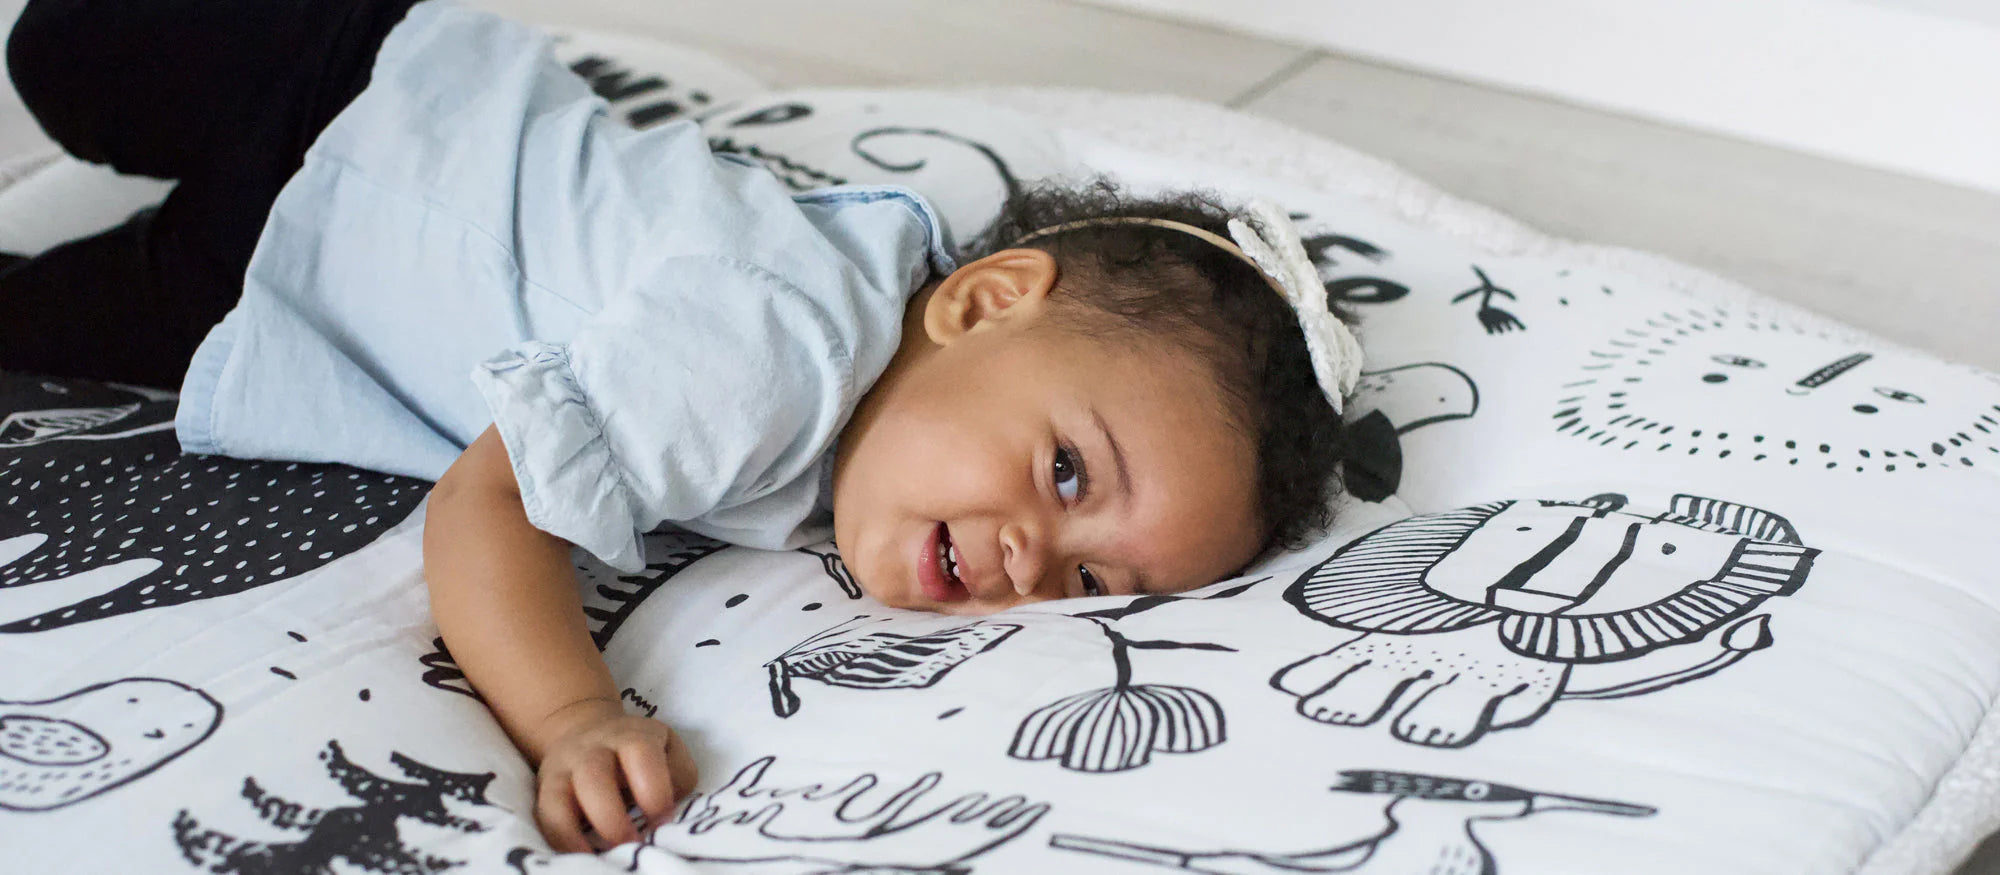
55,752
1416,395
1429,830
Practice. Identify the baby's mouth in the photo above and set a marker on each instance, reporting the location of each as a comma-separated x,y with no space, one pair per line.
937,568
950,557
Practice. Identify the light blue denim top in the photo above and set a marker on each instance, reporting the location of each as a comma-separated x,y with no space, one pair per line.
659,334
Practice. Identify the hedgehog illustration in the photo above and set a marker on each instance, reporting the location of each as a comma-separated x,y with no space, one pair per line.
87,488
1715,383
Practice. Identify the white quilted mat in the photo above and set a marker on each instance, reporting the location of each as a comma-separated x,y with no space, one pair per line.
1673,579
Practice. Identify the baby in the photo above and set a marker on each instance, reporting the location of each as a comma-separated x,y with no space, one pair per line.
1109,396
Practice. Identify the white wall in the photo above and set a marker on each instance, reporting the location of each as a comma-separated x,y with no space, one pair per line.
1905,85
1984,11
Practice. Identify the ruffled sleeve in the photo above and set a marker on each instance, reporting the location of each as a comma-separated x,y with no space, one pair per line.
536,402
715,386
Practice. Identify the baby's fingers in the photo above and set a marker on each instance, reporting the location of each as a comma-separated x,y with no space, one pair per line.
651,778
556,814
680,761
600,792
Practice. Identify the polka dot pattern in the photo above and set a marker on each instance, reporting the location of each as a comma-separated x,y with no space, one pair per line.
46,741
217,525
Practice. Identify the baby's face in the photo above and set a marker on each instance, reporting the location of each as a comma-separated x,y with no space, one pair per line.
1019,462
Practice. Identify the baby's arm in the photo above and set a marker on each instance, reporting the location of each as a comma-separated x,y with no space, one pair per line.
505,599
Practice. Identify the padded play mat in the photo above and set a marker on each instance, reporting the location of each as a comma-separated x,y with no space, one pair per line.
1667,577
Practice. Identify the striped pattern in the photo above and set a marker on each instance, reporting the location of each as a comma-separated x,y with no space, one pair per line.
1120,728
1757,570
1749,521
1376,584
885,660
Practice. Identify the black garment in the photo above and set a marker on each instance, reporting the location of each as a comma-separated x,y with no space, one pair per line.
223,96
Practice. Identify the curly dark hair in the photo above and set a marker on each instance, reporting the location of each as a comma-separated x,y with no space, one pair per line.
1174,286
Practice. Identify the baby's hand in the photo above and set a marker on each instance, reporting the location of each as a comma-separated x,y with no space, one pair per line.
601,762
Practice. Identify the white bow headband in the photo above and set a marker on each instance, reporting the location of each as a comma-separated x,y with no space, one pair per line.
1271,245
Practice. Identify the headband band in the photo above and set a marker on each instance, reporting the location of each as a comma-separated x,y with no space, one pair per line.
1273,247
1183,227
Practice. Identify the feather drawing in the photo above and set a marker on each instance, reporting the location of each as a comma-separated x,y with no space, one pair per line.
878,661
30,427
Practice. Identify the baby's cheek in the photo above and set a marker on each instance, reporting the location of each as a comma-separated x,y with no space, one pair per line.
868,577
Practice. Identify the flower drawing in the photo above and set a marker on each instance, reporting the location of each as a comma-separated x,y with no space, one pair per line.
1120,728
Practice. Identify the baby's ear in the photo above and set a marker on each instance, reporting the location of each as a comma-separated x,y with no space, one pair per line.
1007,285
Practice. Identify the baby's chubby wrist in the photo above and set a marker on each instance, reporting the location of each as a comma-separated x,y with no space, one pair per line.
572,717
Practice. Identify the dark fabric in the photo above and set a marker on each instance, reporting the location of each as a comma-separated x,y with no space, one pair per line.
223,96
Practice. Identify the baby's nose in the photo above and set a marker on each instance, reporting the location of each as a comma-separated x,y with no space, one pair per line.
1024,557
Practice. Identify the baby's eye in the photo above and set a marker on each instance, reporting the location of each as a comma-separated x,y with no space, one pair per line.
1070,478
1090,585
